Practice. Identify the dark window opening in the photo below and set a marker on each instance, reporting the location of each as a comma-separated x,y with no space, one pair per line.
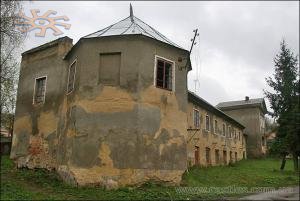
224,157
40,90
196,118
216,126
217,156
224,130
207,154
164,74
207,123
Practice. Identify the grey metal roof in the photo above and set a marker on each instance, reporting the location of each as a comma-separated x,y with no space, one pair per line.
130,26
243,103
192,97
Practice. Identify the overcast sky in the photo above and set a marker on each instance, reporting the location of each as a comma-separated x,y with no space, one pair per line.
235,49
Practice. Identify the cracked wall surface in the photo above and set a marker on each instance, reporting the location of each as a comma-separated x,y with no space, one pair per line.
116,133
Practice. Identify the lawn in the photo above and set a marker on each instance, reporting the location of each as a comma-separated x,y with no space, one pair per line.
39,184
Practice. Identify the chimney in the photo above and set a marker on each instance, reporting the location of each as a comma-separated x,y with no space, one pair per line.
247,98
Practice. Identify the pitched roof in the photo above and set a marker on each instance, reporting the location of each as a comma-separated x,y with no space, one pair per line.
192,97
132,26
256,102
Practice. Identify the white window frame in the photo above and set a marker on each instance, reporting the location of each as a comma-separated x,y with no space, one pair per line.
75,61
194,109
156,57
33,98
208,123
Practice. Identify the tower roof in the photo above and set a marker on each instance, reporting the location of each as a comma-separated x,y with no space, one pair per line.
132,26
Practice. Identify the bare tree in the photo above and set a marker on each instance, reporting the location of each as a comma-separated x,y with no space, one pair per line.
11,43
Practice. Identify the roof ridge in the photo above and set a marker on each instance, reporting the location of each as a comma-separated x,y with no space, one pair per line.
123,26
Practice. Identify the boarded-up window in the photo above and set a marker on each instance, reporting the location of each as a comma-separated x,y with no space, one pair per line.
71,77
40,90
110,64
207,123
164,74
196,118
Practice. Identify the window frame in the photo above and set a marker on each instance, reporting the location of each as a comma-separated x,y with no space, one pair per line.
206,123
156,58
224,130
229,132
34,90
208,155
194,110
216,127
69,92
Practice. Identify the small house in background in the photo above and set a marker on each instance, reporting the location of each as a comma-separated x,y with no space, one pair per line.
114,110
251,113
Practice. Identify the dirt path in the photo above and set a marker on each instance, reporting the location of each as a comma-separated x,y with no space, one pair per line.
291,193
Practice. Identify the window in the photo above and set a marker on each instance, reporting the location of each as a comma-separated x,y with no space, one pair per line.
109,68
207,154
207,122
228,132
196,118
217,156
71,77
224,157
39,90
164,74
235,156
239,135
224,130
216,126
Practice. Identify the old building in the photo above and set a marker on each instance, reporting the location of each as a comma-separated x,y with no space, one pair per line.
251,113
111,110
214,137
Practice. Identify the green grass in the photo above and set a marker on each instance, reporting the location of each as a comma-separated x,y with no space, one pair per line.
39,184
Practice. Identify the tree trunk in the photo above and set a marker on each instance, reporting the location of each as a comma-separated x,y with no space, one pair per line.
295,160
283,162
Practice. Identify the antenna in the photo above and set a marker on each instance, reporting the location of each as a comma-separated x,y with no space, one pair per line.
193,43
131,13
